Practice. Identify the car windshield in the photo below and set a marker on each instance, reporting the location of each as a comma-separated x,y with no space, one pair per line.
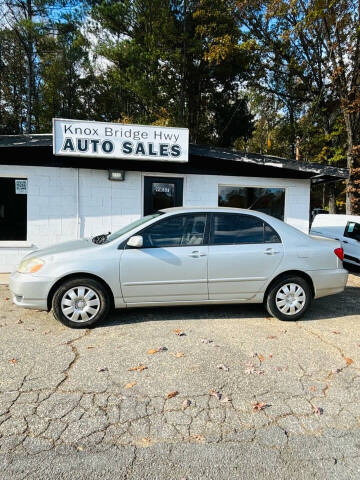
132,225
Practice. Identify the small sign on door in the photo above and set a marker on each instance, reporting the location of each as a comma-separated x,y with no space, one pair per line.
21,187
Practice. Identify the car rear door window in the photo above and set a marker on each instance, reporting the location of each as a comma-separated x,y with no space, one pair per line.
176,231
232,229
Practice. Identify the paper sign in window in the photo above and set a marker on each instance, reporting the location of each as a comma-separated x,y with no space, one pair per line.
21,187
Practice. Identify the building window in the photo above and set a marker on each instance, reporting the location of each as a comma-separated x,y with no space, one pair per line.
266,200
13,209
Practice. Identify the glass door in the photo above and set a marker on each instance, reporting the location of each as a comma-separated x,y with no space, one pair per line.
162,192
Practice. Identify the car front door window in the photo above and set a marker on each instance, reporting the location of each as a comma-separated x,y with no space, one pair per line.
175,231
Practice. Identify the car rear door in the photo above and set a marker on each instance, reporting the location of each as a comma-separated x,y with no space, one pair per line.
244,252
171,266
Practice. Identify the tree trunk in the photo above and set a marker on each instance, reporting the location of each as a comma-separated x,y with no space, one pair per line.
349,195
353,183
30,71
332,197
292,134
350,186
184,66
29,94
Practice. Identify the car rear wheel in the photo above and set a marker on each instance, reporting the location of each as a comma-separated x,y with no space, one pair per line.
289,298
81,302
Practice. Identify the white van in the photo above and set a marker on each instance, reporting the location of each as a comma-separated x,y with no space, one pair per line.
345,228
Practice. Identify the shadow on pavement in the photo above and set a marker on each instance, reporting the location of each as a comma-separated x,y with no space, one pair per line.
340,305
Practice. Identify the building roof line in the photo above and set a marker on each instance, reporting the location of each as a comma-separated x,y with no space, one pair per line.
318,172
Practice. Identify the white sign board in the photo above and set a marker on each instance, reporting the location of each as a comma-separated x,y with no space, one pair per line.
78,138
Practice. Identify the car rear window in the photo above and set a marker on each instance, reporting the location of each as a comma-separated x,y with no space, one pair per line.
230,229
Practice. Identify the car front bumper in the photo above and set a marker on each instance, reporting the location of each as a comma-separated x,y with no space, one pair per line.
328,282
29,290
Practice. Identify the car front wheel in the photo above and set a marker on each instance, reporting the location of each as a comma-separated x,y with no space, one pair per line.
81,302
289,298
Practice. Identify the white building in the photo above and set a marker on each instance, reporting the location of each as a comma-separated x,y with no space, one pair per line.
64,198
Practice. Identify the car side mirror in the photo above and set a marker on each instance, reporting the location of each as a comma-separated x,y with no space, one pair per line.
135,242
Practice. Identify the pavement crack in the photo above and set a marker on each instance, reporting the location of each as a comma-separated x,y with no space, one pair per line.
76,353
319,337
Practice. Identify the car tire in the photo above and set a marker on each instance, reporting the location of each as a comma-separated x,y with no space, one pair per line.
81,302
288,298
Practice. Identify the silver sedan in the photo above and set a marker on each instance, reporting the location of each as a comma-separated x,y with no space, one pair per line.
182,256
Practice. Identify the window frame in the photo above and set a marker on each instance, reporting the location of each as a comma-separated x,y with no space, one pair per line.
211,230
162,219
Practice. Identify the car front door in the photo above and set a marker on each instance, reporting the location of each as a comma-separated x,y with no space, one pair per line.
244,252
351,242
172,264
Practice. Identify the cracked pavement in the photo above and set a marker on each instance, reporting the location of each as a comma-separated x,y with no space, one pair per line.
70,407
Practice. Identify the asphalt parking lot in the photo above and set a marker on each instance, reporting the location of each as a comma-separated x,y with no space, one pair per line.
220,392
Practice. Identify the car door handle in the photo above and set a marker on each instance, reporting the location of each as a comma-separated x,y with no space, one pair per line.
271,251
345,241
197,254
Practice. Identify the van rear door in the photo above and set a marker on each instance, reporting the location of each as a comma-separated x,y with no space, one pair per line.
351,242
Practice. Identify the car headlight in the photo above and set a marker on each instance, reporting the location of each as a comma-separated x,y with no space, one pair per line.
30,265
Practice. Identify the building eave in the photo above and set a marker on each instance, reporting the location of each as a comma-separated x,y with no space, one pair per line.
318,173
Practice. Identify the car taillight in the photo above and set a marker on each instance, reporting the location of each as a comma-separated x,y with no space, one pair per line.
339,252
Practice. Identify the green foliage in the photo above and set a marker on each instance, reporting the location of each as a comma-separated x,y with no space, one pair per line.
63,59
176,63
308,57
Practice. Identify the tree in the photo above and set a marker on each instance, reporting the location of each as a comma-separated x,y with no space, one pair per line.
319,42
176,63
12,84
65,72
19,17
29,21
339,23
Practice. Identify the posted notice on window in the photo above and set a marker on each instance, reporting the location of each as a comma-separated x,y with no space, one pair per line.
20,186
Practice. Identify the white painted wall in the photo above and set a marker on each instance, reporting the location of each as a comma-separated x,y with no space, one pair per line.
53,214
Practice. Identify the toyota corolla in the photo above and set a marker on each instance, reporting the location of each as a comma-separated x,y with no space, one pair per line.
182,256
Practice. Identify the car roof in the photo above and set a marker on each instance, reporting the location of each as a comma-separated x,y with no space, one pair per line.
207,209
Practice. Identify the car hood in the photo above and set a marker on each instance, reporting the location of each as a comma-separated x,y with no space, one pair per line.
63,248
